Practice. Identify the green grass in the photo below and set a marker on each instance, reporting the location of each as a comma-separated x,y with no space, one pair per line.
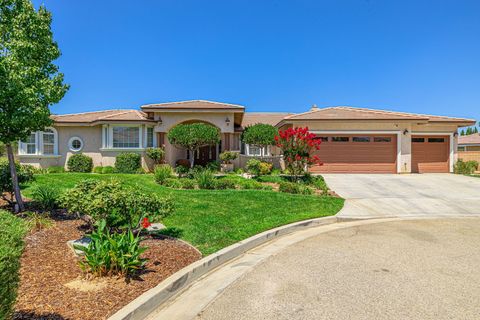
12,232
214,219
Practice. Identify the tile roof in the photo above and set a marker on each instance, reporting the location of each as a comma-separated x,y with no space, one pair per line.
101,116
351,113
273,118
193,104
470,139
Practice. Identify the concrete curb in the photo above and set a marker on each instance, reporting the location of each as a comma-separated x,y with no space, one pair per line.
149,301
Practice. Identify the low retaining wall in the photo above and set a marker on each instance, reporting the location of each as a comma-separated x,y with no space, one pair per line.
145,304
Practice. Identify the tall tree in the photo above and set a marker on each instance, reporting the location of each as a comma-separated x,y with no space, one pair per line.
462,133
475,130
29,80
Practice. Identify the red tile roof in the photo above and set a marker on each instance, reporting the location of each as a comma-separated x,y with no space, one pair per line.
251,118
470,139
102,116
193,104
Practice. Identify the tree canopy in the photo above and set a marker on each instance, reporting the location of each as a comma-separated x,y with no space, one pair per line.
29,80
193,136
260,135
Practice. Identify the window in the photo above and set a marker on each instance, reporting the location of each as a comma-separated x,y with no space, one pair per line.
361,139
31,144
436,140
150,137
340,139
75,144
256,151
382,139
126,137
418,140
323,139
48,137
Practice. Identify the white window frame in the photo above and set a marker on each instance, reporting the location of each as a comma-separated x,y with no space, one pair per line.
264,152
70,146
107,136
39,148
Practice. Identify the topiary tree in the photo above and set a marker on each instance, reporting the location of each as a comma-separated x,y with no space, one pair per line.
193,136
156,154
260,135
29,80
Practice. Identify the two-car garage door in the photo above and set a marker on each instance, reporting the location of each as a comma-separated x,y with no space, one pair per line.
364,153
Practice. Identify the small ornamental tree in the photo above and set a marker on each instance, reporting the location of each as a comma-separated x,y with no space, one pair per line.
298,146
260,135
192,137
29,80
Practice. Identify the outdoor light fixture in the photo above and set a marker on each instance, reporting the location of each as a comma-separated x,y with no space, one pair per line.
455,134
160,121
227,121
405,132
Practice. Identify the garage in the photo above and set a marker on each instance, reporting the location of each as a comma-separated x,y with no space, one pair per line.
430,153
360,153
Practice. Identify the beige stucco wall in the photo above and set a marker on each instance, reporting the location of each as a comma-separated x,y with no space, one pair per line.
169,120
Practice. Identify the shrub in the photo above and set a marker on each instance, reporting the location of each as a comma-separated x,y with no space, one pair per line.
128,162
271,179
108,169
140,171
24,175
97,170
46,196
118,205
205,179
252,184
162,173
265,168
182,171
172,183
296,188
465,167
11,247
228,156
193,171
110,254
37,221
156,154
253,166
222,184
55,169
320,184
79,163
213,166
173,232
188,183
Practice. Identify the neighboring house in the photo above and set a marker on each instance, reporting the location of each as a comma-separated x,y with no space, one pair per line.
469,143
354,139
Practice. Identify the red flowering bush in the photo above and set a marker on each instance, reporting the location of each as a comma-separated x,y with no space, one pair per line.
298,146
146,223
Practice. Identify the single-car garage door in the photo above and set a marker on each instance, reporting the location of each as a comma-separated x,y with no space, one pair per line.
357,154
430,154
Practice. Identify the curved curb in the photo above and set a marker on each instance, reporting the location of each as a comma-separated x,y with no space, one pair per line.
143,305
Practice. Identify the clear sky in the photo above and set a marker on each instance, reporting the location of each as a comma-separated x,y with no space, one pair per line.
414,56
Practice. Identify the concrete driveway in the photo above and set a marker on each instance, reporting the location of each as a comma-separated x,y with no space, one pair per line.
411,195
410,269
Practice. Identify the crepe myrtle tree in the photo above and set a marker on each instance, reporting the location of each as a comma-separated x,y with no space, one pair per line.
298,146
192,137
260,135
29,80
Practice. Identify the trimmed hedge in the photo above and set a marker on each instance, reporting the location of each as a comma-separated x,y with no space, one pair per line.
79,163
11,247
128,162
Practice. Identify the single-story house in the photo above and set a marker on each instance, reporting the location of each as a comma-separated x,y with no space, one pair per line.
469,143
353,139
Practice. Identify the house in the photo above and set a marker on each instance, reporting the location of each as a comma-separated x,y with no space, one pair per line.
469,143
353,139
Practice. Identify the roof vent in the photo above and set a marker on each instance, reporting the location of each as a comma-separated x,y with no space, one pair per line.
314,108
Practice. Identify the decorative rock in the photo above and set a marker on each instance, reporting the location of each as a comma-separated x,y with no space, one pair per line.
84,242
154,227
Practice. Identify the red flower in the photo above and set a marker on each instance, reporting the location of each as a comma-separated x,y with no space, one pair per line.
146,223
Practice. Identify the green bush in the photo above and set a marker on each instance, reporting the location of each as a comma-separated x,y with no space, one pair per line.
259,168
248,184
320,184
188,183
465,167
271,179
182,171
11,247
120,206
172,183
97,169
128,162
156,154
213,166
193,171
162,173
296,188
56,169
228,156
205,179
46,196
173,232
222,184
79,163
24,174
108,169
112,254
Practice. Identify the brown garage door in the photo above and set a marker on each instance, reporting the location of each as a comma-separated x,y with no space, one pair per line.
430,154
357,154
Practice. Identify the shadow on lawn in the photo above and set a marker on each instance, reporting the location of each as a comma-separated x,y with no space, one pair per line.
23,315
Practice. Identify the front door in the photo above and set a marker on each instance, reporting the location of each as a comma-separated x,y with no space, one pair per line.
205,155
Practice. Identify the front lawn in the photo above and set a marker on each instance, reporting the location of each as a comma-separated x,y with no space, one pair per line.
214,219
12,232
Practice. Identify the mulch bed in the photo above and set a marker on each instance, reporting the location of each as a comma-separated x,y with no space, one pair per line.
52,285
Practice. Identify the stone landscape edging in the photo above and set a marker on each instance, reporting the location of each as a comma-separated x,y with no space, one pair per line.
143,305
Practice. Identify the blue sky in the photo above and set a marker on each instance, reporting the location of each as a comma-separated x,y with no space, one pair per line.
414,56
